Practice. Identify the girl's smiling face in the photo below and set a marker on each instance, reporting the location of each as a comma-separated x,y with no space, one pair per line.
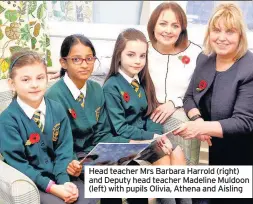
30,83
133,57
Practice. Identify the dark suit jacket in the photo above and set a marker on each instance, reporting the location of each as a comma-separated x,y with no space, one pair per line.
232,106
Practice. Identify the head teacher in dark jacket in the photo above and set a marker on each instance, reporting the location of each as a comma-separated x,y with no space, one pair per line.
219,99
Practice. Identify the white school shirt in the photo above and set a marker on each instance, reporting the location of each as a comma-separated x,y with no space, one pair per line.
72,87
29,111
128,78
170,76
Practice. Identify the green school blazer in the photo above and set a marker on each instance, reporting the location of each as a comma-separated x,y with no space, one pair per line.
127,108
39,155
90,125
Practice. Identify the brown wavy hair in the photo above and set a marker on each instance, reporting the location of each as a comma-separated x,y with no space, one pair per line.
182,41
23,58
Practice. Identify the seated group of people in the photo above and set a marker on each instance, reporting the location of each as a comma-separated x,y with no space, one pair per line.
45,133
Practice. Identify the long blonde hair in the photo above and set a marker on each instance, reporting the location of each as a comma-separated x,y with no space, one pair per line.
233,18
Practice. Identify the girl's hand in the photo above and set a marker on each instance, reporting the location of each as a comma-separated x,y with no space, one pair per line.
60,192
74,168
71,187
165,144
162,112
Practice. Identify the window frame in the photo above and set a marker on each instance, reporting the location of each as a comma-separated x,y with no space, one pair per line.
109,32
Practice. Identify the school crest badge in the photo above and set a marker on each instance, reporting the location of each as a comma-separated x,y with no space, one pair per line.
97,112
56,130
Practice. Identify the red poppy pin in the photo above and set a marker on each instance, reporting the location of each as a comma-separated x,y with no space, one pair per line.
125,96
184,59
72,112
202,85
34,138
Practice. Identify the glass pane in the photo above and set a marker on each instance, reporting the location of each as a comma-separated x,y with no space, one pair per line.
77,11
108,12
199,12
117,12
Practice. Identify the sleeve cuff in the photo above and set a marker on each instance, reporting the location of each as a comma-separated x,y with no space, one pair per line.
62,178
42,182
148,136
49,186
188,106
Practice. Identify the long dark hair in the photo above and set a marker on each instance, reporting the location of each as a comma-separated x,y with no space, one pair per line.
132,34
72,40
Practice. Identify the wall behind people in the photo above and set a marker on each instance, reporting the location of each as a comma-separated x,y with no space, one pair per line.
103,35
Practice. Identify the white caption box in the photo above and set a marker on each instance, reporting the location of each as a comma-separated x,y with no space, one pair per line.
168,182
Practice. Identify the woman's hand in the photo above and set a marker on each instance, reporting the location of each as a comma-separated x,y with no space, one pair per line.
162,112
194,129
164,143
74,168
190,130
206,138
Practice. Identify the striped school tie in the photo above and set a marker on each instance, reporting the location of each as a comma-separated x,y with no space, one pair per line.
135,84
36,118
80,99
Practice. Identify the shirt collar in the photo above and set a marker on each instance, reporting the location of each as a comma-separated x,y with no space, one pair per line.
128,78
29,111
72,87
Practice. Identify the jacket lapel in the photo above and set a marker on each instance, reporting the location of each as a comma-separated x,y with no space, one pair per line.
207,73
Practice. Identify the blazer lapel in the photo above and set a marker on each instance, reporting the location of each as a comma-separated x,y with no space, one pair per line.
207,73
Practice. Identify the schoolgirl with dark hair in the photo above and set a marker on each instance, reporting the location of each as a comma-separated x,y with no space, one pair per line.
82,99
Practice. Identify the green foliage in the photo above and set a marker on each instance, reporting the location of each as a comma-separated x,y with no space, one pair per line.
34,41
25,33
14,49
2,9
40,11
32,6
11,15
1,34
57,13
